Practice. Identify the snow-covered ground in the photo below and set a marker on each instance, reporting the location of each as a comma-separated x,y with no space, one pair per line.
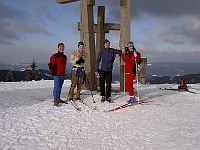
29,121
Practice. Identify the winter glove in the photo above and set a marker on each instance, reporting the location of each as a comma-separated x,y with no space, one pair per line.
80,61
50,65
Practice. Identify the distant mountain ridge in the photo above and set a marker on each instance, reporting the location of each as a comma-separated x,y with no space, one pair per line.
160,68
160,72
172,69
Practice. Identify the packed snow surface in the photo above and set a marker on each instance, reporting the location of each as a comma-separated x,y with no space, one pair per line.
29,121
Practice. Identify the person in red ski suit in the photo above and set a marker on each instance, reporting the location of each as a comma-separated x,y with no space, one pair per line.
131,58
57,68
183,84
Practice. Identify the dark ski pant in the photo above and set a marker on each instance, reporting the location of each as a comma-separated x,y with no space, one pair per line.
105,78
58,82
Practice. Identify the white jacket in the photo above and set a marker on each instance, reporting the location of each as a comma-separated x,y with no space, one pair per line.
75,56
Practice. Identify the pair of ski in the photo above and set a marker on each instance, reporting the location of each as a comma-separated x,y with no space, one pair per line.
79,108
180,90
127,105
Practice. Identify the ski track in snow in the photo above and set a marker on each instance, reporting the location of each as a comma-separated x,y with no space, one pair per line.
29,121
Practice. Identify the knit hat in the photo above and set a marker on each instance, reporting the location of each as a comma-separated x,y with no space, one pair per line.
130,43
80,43
106,40
59,44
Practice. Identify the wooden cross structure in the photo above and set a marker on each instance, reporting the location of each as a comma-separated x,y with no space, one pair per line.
87,29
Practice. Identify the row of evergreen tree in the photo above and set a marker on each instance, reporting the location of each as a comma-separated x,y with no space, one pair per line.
31,74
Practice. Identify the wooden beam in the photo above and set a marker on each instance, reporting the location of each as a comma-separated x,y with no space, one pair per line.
124,34
65,1
107,27
111,26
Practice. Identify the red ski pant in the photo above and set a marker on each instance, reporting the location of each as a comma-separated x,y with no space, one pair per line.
129,83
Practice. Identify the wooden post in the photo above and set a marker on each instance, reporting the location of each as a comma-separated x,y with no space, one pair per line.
124,34
142,72
87,36
87,29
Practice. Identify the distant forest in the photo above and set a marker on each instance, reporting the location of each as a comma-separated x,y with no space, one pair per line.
45,75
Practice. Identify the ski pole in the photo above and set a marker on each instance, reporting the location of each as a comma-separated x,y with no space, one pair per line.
90,88
124,73
137,81
124,76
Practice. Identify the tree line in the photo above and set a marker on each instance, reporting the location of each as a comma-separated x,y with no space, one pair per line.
31,74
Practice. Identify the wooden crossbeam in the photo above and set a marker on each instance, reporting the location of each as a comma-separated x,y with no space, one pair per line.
65,1
107,27
89,2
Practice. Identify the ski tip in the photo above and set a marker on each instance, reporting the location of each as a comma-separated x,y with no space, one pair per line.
79,109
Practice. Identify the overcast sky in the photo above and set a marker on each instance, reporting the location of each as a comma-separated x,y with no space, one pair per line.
162,30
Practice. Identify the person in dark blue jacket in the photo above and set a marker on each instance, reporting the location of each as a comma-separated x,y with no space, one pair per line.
103,68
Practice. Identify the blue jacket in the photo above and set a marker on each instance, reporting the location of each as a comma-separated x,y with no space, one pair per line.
105,59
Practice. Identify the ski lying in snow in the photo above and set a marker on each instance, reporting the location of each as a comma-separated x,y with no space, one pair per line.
127,105
169,89
180,90
189,87
91,107
191,92
86,94
75,105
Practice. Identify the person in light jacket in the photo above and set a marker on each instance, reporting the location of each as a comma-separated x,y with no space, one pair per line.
77,59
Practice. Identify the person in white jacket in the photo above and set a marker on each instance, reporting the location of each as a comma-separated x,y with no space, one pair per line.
77,59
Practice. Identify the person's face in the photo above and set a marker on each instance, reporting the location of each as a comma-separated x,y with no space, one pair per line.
61,49
107,45
80,48
130,47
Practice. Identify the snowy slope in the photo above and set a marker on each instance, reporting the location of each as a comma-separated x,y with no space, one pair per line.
29,121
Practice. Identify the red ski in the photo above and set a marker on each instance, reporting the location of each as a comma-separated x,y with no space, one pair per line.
127,105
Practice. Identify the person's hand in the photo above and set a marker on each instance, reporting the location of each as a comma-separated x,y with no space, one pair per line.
135,54
116,55
96,73
123,50
78,62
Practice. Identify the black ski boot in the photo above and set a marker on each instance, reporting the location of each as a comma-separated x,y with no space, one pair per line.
103,99
78,99
108,99
57,103
61,101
